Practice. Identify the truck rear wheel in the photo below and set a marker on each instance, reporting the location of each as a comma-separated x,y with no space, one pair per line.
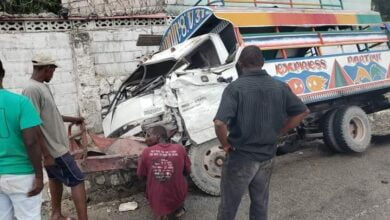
207,160
329,132
352,129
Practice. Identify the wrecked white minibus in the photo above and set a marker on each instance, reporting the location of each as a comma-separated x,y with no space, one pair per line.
336,61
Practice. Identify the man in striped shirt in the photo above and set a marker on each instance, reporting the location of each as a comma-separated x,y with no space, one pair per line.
255,109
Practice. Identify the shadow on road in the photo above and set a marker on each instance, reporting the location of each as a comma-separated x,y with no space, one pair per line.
381,140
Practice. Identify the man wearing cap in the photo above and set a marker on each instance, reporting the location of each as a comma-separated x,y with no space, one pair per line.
21,177
64,169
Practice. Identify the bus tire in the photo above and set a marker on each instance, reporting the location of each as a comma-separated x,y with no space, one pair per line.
207,160
352,129
329,132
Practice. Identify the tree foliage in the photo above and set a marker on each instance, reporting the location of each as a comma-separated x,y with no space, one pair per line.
383,7
29,6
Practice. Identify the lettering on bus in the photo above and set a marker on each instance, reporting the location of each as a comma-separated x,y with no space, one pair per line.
366,58
184,26
299,66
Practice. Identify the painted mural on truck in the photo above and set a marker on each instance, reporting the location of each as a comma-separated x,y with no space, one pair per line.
312,75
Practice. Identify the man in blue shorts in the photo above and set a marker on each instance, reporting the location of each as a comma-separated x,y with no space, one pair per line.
64,170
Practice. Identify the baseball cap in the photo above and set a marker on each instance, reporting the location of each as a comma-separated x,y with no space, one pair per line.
41,59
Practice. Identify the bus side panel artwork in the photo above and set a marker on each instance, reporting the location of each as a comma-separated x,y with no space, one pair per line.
322,76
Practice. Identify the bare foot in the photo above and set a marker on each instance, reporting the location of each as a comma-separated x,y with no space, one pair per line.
60,217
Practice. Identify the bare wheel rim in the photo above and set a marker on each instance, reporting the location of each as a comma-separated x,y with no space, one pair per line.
356,129
213,161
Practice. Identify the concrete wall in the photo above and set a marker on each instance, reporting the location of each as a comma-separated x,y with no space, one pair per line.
92,64
16,53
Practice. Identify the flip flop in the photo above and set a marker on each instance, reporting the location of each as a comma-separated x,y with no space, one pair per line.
180,213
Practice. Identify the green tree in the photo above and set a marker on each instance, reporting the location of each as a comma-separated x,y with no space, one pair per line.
30,6
383,7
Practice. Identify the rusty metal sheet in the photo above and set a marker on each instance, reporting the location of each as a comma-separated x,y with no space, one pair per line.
106,163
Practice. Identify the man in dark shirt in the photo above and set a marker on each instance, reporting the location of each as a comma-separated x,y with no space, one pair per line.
255,109
164,165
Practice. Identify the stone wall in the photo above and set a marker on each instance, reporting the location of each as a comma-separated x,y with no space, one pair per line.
94,58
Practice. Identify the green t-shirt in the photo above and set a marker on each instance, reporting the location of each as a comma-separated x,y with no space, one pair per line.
16,114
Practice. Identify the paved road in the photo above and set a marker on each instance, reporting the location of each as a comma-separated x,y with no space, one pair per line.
306,185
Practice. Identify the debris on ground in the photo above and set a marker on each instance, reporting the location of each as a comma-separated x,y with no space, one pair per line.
128,206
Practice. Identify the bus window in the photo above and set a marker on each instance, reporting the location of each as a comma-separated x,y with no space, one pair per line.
332,50
311,52
290,52
271,54
350,48
378,46
362,47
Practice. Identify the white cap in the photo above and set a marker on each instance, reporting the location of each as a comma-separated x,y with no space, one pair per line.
41,59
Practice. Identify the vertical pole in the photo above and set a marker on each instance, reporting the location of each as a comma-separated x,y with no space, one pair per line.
238,36
284,54
255,2
291,4
341,4
321,6
319,52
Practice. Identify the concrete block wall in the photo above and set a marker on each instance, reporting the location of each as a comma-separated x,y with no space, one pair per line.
92,64
16,53
116,56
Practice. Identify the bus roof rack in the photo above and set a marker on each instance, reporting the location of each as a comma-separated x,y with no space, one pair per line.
316,4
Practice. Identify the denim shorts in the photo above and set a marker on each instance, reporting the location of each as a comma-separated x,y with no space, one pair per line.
66,171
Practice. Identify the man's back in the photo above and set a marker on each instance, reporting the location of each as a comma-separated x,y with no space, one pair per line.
256,106
164,166
254,111
16,114
53,126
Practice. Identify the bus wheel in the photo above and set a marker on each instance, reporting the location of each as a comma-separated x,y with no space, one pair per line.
207,160
329,132
352,129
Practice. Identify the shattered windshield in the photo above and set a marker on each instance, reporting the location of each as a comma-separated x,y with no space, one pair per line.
204,56
145,78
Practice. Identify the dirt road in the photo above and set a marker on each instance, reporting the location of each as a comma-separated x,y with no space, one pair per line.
309,184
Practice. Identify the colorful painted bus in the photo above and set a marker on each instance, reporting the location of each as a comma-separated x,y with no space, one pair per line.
336,61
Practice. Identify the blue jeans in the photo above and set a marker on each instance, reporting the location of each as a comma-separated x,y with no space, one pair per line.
238,174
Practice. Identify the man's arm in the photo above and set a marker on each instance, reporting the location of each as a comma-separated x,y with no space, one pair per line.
187,163
141,168
295,109
221,130
48,159
227,111
74,120
293,122
31,142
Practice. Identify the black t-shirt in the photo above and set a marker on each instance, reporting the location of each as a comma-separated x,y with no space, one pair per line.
254,107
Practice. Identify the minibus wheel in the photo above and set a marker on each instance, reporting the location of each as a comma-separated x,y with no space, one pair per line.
352,129
329,131
206,166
